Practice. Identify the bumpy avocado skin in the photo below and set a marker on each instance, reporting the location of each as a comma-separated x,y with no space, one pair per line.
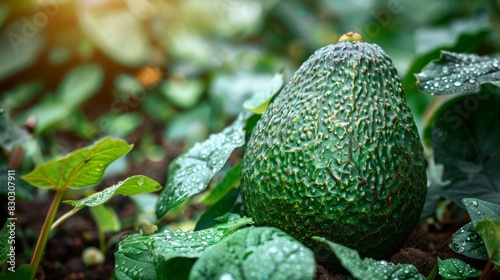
337,154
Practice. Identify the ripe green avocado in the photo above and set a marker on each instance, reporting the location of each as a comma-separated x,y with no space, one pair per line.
337,154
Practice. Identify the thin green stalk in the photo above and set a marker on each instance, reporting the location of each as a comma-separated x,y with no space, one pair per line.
44,235
65,217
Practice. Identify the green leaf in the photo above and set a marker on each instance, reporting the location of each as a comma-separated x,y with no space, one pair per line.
105,28
190,173
131,186
489,230
181,92
23,190
5,241
233,90
22,41
256,253
479,210
106,218
260,100
79,84
370,268
21,94
466,142
10,133
226,204
231,180
467,242
456,269
150,255
459,73
81,168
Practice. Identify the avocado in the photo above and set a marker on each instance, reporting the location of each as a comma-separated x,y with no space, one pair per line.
337,154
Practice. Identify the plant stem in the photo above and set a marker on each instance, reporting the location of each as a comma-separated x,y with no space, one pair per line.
65,217
44,235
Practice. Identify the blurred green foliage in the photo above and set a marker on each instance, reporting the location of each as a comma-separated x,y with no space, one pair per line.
166,71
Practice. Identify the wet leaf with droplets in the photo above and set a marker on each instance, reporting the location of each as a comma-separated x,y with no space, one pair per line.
369,268
467,242
81,168
131,186
459,73
190,173
155,253
466,141
456,269
489,230
259,101
479,210
256,253
230,181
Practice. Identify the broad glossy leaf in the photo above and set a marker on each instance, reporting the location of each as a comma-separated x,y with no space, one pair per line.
369,268
231,180
190,173
131,186
456,269
459,73
489,230
256,253
81,168
467,242
148,253
105,28
106,218
10,133
479,210
260,100
79,84
224,205
22,41
466,141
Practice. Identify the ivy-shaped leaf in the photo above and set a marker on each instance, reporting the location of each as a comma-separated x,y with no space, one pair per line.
370,268
466,141
456,269
146,256
260,100
256,253
467,242
131,186
81,168
489,230
459,73
190,173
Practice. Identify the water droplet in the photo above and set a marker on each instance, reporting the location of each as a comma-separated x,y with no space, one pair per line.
272,250
474,203
436,84
472,81
457,83
140,182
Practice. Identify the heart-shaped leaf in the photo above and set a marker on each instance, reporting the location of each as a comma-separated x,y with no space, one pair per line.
489,230
81,168
370,268
190,173
131,186
149,255
456,269
459,73
256,253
